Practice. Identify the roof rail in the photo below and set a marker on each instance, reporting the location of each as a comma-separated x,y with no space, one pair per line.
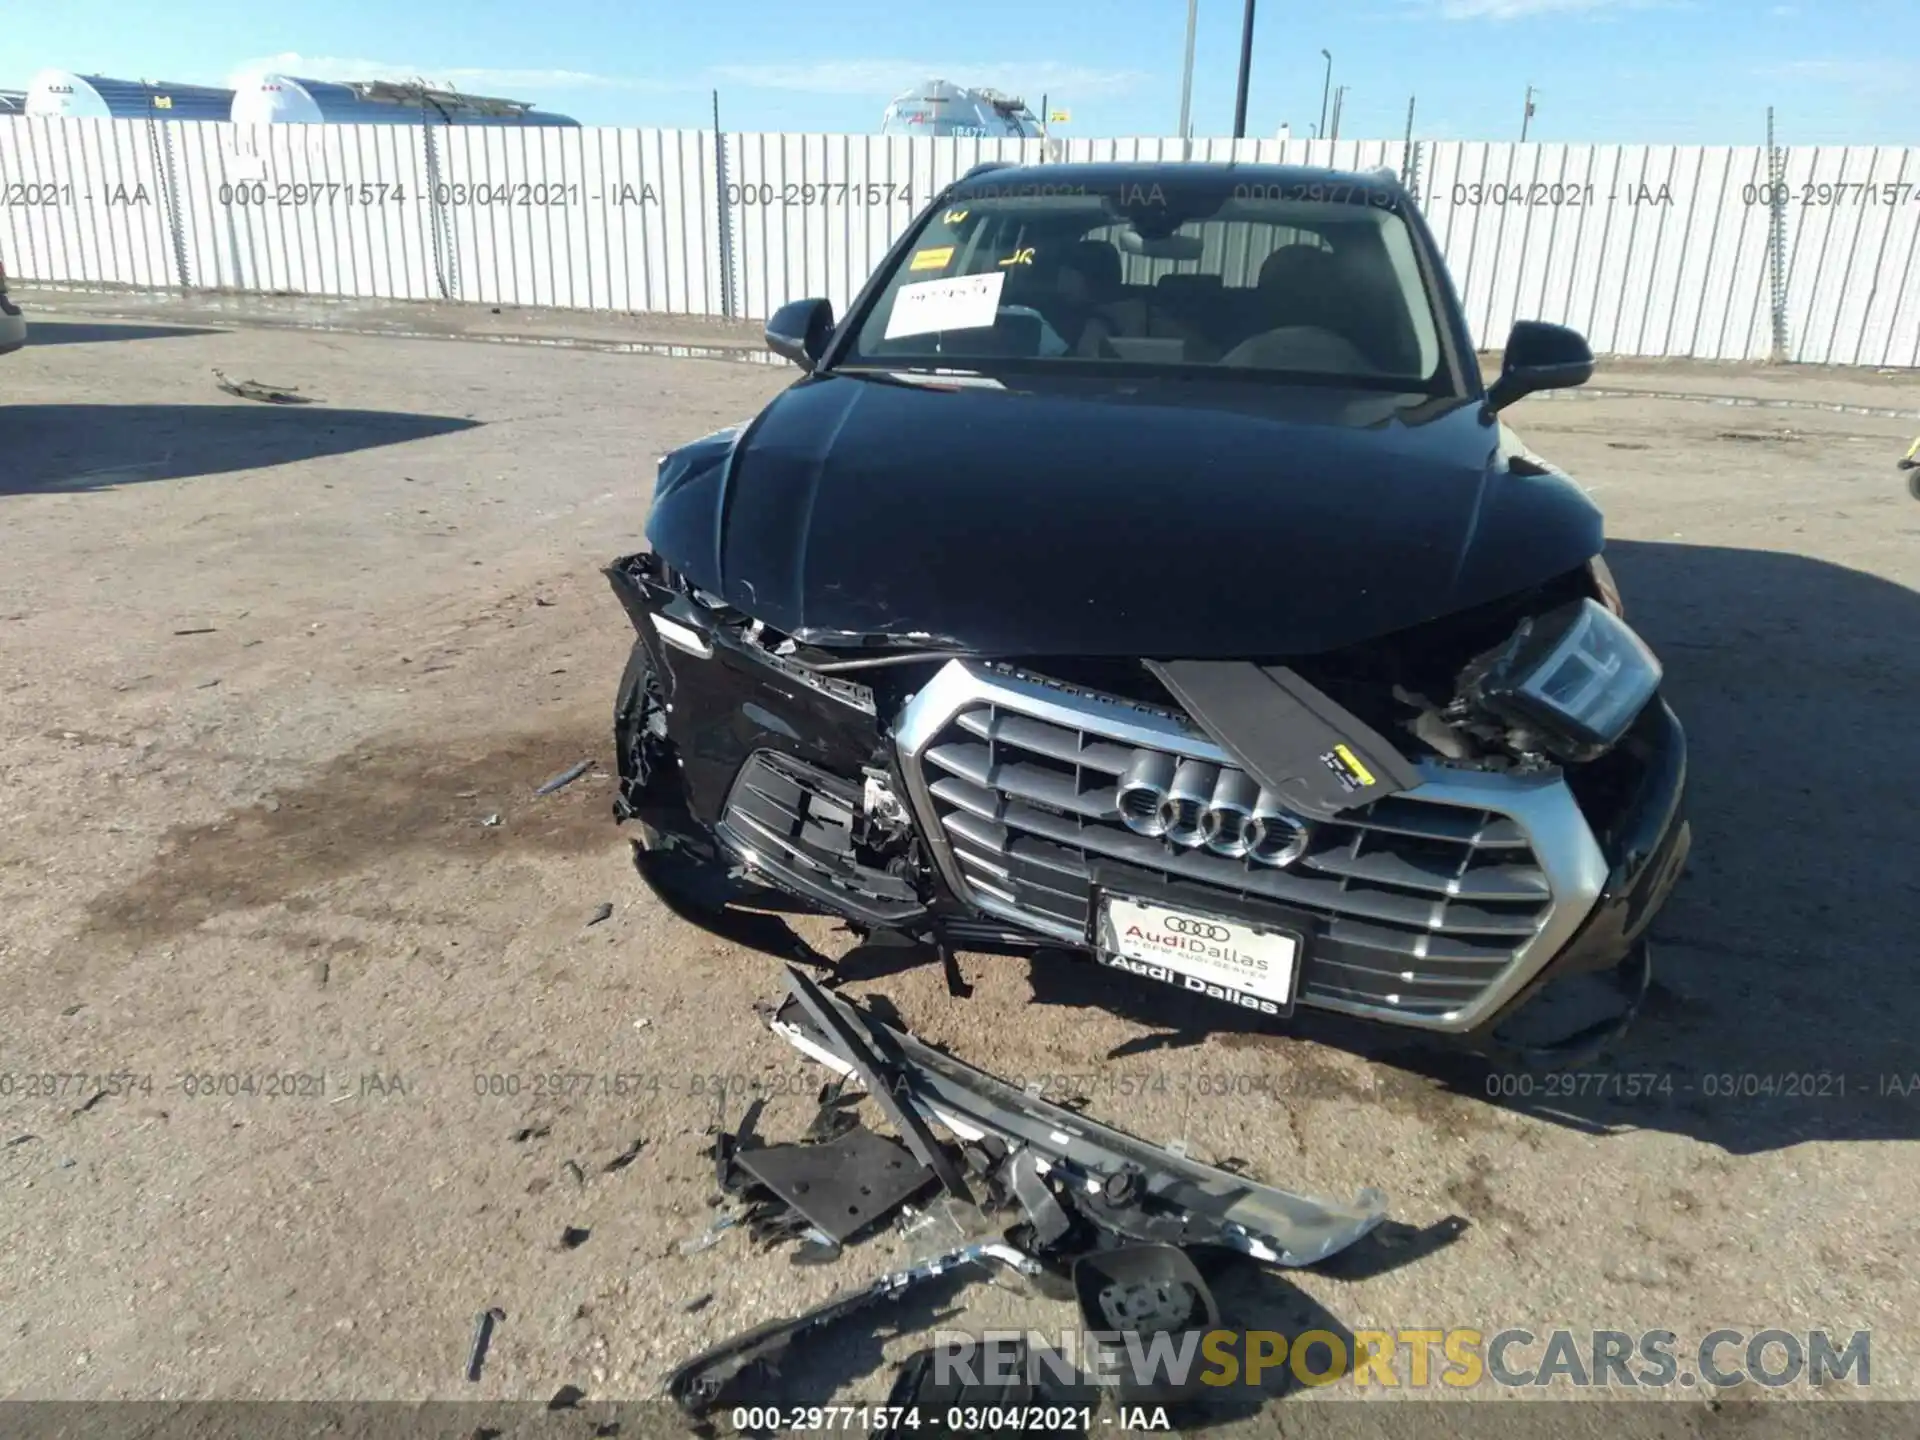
985,165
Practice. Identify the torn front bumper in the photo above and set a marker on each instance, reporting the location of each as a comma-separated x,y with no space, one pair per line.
1442,908
1142,1191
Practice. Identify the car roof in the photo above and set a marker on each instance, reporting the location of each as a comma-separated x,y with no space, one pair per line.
1103,175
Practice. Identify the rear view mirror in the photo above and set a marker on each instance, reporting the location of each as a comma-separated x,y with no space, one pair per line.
799,330
1539,356
1162,247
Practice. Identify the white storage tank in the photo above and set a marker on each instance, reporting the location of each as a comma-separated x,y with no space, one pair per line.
97,97
291,100
940,107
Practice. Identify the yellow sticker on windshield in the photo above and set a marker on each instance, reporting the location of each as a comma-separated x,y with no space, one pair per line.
1020,257
935,259
953,217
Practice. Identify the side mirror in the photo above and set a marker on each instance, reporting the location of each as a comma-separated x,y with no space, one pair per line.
1539,356
798,331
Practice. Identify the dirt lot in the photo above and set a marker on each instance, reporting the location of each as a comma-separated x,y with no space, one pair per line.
269,672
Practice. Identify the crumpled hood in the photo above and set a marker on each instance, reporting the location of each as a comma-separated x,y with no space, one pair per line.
1187,519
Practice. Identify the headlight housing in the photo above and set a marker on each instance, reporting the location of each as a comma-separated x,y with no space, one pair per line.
1573,680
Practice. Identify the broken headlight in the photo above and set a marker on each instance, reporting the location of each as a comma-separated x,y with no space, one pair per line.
1570,681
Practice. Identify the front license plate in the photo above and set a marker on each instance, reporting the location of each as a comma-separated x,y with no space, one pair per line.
1253,966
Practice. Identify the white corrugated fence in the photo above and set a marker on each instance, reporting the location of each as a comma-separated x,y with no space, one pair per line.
1741,253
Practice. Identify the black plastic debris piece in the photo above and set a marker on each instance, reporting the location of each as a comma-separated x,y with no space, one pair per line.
531,1132
482,1337
697,1304
1045,1214
842,1186
602,911
957,985
564,778
714,1377
834,1116
883,1074
198,630
1146,1290
625,1158
20,1140
567,1397
266,394
573,1237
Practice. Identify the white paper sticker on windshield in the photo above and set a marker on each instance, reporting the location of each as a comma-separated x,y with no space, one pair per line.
966,302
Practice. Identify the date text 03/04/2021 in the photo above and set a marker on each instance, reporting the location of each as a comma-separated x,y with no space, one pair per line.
966,1419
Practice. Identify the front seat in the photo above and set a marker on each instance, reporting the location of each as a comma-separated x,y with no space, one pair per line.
1301,320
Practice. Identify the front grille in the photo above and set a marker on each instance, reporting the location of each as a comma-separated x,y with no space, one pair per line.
1422,906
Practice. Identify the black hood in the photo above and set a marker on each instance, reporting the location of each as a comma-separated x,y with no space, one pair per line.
1175,519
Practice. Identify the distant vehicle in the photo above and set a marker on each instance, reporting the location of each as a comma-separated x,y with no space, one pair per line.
13,325
941,108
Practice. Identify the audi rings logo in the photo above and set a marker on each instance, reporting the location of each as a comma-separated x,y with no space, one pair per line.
1194,805
1198,929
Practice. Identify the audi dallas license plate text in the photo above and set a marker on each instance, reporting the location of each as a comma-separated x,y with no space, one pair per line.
1254,966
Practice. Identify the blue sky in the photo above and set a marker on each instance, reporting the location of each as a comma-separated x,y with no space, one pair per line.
1646,71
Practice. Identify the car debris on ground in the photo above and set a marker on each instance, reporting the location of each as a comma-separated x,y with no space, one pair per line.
1022,1183
265,394
564,778
482,1338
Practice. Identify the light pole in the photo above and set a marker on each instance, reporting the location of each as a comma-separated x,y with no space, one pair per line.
1326,87
1186,77
1526,116
1339,102
1246,68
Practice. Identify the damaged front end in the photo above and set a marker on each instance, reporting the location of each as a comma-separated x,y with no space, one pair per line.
1421,830
759,778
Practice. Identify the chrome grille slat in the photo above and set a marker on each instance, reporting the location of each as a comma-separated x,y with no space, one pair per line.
1055,741
978,764
1396,816
1517,883
1430,907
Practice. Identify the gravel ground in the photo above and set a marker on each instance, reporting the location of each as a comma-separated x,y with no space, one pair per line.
280,683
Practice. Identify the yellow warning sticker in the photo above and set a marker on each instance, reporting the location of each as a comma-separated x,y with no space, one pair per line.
935,259
1354,767
953,217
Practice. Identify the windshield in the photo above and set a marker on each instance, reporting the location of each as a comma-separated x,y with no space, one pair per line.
1256,278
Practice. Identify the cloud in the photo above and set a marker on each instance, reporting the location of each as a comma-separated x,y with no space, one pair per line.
470,79
883,79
